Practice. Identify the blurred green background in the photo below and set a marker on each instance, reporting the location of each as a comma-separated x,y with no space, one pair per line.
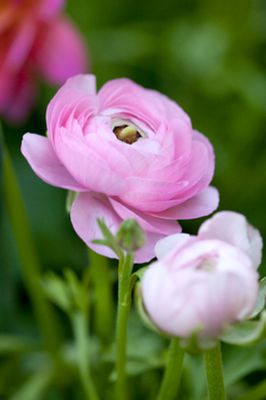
210,57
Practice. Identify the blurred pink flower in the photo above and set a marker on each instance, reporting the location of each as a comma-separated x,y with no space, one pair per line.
205,282
35,40
130,152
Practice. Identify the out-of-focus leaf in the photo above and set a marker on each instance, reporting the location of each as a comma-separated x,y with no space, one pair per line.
144,349
255,393
56,290
241,361
13,344
35,387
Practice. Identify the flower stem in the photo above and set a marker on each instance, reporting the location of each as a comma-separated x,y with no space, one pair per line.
79,324
124,302
104,305
30,266
214,372
173,371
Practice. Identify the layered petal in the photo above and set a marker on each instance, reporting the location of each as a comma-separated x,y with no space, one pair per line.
40,155
200,205
204,286
85,165
147,222
76,97
122,96
87,208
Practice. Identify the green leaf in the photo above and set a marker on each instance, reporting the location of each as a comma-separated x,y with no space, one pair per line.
14,344
79,291
246,333
71,196
261,298
142,312
242,361
57,291
35,387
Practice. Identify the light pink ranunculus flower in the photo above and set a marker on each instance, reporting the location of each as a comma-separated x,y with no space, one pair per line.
130,152
200,287
206,282
36,39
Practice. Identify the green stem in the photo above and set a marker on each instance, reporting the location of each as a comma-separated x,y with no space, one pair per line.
124,302
173,371
80,328
214,372
30,266
104,305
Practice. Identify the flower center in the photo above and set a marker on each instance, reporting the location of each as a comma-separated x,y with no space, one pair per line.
127,133
208,264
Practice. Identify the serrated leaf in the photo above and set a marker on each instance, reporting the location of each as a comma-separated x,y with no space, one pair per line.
246,333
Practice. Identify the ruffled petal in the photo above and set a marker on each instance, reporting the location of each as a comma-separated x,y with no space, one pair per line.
75,97
40,155
147,222
85,165
200,205
122,96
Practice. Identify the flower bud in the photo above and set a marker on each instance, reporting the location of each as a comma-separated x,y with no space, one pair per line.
130,236
199,288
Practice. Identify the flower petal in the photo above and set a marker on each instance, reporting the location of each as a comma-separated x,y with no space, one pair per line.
200,205
146,105
40,154
147,222
85,211
233,228
49,8
87,208
167,244
77,91
61,52
85,165
17,94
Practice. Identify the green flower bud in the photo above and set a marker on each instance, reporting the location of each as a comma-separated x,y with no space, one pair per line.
130,236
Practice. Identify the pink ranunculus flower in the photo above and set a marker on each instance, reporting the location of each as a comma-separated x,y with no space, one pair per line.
203,283
130,152
36,39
